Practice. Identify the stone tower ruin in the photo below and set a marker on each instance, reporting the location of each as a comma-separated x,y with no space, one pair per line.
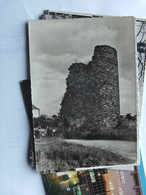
91,99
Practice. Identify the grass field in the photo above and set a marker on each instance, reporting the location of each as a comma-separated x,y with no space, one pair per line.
59,155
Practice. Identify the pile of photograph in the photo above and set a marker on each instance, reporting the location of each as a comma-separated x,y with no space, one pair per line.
83,101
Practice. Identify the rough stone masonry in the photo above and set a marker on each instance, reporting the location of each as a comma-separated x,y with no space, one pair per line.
91,99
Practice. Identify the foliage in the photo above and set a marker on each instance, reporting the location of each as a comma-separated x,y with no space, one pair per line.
41,121
125,130
68,156
44,122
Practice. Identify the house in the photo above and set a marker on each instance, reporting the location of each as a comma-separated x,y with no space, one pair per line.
35,111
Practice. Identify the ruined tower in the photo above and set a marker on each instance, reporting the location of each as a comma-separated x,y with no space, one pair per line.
91,99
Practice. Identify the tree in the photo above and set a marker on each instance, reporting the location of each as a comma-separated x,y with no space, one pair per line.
141,48
41,121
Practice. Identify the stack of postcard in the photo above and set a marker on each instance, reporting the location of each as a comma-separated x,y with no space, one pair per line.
84,98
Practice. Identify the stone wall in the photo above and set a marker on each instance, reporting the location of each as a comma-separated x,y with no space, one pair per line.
91,100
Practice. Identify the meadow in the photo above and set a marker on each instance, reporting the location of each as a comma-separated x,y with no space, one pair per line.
59,155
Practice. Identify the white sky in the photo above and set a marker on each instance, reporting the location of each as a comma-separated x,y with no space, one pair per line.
56,44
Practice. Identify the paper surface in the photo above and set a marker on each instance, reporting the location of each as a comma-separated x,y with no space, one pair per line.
16,175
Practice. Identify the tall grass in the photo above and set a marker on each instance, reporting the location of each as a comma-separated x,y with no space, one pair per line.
68,156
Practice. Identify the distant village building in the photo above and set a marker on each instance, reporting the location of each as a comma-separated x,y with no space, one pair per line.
35,111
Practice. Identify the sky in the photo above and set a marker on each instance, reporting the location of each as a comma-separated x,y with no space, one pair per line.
55,44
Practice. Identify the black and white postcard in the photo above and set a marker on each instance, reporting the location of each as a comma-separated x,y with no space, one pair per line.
83,83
